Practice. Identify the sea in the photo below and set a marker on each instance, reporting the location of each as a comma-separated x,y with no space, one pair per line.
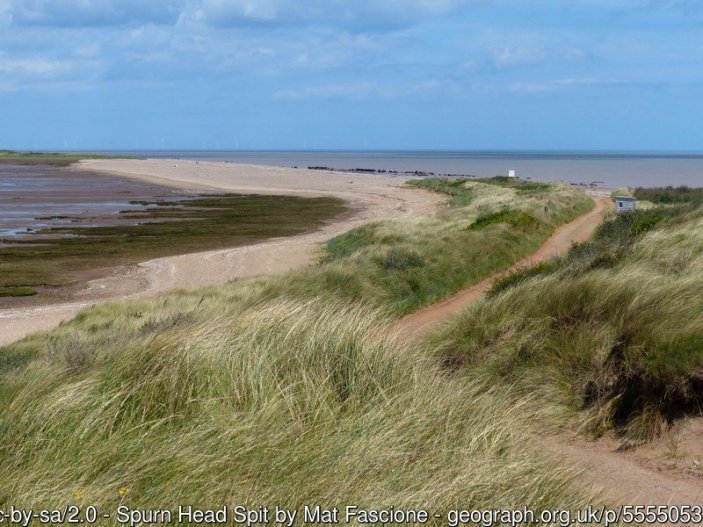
600,169
36,198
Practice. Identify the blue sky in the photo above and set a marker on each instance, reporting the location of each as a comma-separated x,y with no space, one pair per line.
364,74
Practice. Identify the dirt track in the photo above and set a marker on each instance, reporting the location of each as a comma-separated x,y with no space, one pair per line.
579,230
624,477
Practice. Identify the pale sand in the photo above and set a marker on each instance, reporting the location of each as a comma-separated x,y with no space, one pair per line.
371,197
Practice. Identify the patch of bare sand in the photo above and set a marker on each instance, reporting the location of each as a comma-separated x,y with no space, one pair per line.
665,472
370,197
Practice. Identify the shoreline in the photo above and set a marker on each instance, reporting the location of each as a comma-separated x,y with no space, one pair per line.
583,169
368,197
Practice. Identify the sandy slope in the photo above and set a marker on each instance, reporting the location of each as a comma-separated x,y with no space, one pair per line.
372,197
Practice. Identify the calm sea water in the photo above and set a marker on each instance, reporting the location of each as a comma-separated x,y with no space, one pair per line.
606,169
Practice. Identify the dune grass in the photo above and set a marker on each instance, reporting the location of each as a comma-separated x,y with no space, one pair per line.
290,403
671,195
409,264
286,390
610,336
56,256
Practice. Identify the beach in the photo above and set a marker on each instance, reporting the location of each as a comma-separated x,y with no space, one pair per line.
587,168
370,197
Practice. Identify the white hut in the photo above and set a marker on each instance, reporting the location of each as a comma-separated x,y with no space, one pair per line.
625,203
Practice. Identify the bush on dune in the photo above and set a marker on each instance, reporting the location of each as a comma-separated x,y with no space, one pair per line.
407,265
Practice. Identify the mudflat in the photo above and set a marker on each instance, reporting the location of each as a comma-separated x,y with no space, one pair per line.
70,233
41,197
369,197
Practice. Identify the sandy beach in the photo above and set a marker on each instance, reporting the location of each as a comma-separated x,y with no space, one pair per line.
370,197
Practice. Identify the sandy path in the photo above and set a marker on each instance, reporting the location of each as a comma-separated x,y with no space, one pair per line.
579,230
371,197
624,477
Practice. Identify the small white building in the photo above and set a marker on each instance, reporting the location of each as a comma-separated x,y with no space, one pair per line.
625,203
511,173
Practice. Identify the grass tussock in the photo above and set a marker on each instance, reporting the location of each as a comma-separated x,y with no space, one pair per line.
609,335
283,402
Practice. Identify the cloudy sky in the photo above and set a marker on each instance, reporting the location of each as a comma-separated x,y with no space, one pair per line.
343,74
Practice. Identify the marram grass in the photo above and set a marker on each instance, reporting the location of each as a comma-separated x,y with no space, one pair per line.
610,336
285,403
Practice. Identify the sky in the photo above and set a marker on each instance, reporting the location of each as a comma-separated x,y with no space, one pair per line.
362,74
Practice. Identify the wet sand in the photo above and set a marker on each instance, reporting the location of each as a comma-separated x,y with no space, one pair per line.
371,197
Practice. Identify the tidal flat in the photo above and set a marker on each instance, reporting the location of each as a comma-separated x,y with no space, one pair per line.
59,224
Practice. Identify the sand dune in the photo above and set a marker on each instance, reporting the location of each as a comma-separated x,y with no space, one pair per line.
371,197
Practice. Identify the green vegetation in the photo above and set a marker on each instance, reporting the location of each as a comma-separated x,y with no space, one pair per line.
216,398
460,193
165,228
17,291
520,185
286,390
609,336
406,265
515,218
10,157
671,195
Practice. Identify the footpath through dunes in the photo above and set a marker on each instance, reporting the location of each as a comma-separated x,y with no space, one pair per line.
577,231
628,477
370,198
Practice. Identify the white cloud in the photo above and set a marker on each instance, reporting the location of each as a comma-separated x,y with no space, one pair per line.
5,17
561,84
507,56
517,49
77,13
334,13
8,86
38,67
225,12
685,7
359,14
369,89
